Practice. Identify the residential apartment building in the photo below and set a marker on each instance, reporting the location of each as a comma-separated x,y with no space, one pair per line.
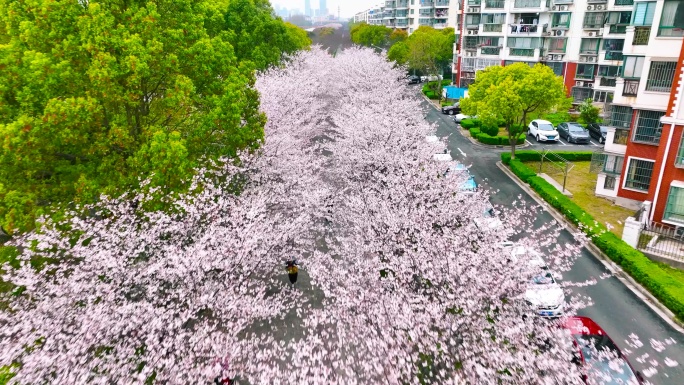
411,14
644,151
581,40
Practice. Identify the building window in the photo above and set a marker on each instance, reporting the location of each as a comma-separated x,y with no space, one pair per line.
672,19
523,42
679,162
589,46
557,45
580,94
602,96
620,136
585,71
660,76
560,20
609,71
594,20
632,67
643,13
674,208
613,44
648,127
557,67
609,183
619,18
613,164
639,173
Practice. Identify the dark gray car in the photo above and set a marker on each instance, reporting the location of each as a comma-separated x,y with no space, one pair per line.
598,131
573,132
452,110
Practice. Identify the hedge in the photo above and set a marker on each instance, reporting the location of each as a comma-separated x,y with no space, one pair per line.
495,140
534,156
474,131
666,288
468,124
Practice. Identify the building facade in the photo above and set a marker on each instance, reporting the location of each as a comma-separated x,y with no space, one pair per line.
411,14
644,152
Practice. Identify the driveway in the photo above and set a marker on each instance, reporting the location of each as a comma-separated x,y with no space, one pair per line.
615,307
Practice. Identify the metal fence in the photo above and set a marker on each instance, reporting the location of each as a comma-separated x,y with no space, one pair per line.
663,240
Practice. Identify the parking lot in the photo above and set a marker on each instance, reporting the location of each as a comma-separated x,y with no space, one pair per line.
563,145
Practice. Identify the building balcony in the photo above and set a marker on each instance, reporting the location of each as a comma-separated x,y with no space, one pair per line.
527,4
525,30
630,88
613,55
442,3
474,3
390,4
440,25
426,3
562,2
495,4
624,2
402,4
597,1
617,29
490,51
388,16
641,35
472,25
525,52
607,82
492,28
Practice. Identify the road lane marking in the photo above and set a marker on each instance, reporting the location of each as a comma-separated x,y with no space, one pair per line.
592,142
462,153
561,142
528,142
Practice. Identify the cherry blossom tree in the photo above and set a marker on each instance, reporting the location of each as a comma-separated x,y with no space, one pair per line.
396,282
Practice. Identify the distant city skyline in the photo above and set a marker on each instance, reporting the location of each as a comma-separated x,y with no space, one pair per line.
348,8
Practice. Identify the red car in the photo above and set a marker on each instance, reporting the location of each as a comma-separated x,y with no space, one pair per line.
602,360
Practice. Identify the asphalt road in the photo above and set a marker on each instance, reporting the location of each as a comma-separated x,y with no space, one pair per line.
615,307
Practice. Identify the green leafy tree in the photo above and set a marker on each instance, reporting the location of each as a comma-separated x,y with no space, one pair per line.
398,35
370,35
512,95
257,35
430,51
588,112
95,96
399,53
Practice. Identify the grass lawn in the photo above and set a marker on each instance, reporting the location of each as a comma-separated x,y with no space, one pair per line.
581,183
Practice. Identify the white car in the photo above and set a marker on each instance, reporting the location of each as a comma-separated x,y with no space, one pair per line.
488,220
459,117
543,130
431,78
543,293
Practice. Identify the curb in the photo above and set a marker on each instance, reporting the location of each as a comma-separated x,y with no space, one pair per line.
643,294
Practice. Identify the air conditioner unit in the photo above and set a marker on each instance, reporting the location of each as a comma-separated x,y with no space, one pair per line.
590,8
471,32
549,57
560,32
579,84
591,59
598,7
547,33
558,57
563,7
590,34
589,84
554,8
600,32
583,58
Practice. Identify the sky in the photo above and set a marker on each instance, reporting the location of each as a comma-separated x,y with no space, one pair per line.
347,7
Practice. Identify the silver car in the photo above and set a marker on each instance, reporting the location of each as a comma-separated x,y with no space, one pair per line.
573,132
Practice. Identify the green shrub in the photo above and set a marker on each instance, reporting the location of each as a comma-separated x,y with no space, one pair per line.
487,139
534,156
431,95
490,129
521,170
557,117
474,131
467,123
444,103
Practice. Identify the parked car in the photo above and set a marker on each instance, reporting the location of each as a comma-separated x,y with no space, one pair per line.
544,295
598,131
489,219
453,109
458,168
542,130
413,79
431,78
573,132
459,117
601,360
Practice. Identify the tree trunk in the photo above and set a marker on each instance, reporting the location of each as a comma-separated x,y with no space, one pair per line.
512,139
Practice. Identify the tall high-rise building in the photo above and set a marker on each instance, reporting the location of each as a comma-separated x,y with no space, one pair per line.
323,8
307,8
